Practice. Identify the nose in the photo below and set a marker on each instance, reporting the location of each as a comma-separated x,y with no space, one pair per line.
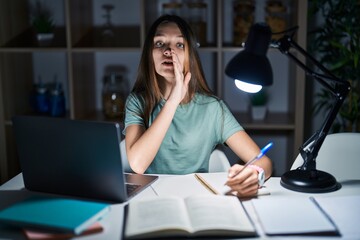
167,52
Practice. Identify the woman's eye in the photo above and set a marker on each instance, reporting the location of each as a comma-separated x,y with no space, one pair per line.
159,44
180,45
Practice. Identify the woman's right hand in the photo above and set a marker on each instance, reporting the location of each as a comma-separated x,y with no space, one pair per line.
245,183
143,144
181,83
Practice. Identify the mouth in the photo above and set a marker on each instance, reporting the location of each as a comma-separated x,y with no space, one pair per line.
167,63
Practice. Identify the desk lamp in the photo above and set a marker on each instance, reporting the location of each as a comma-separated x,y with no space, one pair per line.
252,67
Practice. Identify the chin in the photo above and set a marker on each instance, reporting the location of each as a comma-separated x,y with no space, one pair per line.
167,75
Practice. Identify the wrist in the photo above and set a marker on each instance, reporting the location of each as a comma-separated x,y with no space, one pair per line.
172,102
261,174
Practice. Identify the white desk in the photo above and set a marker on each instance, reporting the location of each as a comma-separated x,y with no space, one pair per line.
13,190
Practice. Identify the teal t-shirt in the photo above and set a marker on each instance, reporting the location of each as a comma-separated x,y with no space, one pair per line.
196,129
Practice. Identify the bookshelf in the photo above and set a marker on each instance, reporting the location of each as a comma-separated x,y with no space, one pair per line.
79,54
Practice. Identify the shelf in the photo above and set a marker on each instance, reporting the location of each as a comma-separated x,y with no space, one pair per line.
273,121
99,116
32,50
123,37
27,39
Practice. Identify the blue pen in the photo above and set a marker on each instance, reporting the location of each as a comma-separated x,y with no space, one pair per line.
262,153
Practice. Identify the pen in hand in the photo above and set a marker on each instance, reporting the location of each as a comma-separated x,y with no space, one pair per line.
262,153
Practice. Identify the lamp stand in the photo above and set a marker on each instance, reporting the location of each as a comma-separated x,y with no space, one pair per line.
245,67
310,181
307,178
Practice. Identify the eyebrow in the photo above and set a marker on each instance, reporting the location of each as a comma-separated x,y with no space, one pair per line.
160,34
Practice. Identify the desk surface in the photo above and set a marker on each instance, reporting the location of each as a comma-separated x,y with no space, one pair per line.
13,191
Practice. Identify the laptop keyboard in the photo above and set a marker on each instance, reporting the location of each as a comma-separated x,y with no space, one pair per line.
131,188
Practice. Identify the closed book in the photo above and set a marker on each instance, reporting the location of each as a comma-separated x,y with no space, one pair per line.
48,235
56,214
297,215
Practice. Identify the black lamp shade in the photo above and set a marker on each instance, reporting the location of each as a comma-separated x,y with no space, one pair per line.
251,65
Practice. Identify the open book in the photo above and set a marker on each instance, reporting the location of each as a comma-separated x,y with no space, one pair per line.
214,182
201,215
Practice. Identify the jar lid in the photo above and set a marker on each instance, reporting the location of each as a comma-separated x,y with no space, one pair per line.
41,90
275,6
197,5
172,5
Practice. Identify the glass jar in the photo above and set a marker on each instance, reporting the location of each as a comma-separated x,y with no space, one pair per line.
276,17
172,8
115,91
197,17
41,98
57,101
244,11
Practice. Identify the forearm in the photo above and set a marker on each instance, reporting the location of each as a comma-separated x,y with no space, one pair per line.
143,145
246,149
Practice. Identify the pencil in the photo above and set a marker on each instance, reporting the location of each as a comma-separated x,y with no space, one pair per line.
205,184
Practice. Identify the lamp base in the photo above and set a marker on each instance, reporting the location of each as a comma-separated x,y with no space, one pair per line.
309,181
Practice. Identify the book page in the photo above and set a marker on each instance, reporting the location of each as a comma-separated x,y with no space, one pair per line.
217,180
156,214
181,186
216,212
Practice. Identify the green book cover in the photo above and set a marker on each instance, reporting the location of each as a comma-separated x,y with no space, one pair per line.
57,214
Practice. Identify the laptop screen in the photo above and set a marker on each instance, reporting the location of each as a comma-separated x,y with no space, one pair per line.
71,157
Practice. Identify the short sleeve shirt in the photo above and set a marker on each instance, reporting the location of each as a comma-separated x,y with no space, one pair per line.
196,129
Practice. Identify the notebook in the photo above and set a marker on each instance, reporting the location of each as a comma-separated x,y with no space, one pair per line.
54,214
74,157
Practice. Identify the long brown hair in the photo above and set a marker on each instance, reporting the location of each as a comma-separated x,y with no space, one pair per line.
147,83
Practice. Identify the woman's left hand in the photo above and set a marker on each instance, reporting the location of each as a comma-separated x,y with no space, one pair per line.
245,183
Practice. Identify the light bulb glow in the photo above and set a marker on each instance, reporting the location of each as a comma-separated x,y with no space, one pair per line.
247,87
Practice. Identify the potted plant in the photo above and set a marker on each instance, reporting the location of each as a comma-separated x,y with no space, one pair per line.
42,22
258,104
337,44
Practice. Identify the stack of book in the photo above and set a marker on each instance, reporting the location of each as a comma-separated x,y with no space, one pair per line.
47,218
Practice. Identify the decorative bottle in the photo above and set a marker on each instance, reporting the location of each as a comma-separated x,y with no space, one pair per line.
57,101
115,91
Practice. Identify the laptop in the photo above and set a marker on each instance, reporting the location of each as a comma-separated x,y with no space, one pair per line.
76,158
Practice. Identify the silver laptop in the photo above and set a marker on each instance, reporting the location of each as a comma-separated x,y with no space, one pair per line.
74,157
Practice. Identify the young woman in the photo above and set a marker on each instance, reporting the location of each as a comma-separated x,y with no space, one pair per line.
173,122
